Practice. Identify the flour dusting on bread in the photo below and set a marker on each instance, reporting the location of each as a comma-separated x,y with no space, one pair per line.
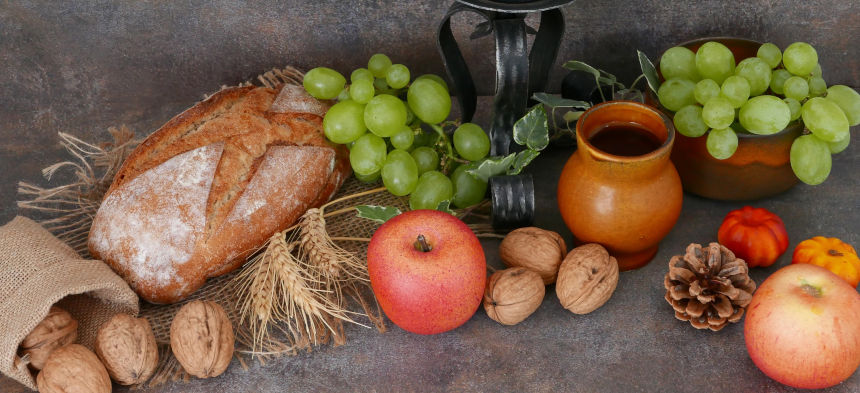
152,242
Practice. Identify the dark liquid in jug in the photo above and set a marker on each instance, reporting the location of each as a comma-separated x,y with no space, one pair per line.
625,139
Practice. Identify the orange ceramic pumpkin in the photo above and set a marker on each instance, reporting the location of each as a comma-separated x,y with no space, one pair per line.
832,254
755,235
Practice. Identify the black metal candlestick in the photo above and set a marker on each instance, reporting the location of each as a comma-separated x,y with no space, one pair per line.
519,74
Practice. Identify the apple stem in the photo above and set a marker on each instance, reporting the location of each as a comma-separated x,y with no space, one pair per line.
422,245
811,290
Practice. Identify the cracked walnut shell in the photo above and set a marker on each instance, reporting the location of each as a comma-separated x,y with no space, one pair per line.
534,248
56,330
513,294
73,369
201,338
126,345
587,278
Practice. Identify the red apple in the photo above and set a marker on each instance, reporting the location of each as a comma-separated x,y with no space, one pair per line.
803,327
427,270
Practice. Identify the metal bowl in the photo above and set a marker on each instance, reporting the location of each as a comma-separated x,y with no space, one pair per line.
516,5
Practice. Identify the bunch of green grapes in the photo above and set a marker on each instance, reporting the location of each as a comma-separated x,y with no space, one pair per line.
379,116
711,94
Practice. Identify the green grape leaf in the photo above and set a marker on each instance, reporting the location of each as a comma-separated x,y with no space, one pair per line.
649,71
380,214
554,101
531,130
445,206
523,158
492,166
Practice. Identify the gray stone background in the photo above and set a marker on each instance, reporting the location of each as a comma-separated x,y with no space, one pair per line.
82,66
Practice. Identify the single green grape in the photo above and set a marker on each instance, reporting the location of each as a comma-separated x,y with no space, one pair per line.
793,106
736,89
359,74
765,115
817,70
840,145
397,76
367,154
705,90
777,80
800,59
679,62
425,138
817,86
471,142
344,122
403,139
436,78
381,85
810,159
385,115
323,83
468,189
400,173
715,61
848,100
426,158
344,94
362,91
718,113
770,53
371,178
676,93
825,119
796,87
688,121
757,72
378,65
433,188
429,100
722,143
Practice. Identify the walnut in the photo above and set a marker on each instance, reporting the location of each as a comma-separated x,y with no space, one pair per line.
56,330
513,294
73,369
201,338
586,279
126,346
537,249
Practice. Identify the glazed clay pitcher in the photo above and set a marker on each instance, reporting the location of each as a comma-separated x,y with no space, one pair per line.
627,201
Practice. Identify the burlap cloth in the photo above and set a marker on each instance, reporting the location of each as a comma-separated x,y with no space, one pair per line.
38,270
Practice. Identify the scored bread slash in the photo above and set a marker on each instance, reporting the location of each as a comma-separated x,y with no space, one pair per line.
210,186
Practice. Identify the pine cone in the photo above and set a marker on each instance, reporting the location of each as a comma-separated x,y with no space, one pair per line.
709,287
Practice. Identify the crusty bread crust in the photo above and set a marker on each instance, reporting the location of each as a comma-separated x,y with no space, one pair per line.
203,192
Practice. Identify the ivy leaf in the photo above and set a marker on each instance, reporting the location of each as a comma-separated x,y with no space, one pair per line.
575,65
492,166
380,214
531,130
553,101
445,206
523,158
649,71
572,116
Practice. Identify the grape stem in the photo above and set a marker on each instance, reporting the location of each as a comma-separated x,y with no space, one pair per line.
447,143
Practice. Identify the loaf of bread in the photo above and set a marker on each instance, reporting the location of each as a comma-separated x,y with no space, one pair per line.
207,189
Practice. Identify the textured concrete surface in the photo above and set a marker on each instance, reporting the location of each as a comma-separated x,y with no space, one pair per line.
80,67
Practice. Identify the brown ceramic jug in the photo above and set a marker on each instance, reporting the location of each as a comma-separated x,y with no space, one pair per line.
627,201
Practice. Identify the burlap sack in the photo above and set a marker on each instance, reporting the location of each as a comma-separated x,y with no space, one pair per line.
38,270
